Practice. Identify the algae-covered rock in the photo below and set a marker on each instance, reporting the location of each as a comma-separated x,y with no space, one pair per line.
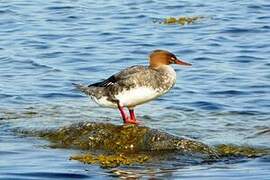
112,145
125,144
123,138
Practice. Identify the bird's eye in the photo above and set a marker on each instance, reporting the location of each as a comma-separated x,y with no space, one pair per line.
172,60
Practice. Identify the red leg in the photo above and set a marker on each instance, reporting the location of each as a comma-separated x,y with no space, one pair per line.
126,119
123,114
133,119
132,115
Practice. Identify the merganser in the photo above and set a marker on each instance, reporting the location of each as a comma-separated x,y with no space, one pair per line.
135,85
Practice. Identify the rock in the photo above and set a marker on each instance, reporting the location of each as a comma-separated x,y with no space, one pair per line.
112,145
123,138
124,144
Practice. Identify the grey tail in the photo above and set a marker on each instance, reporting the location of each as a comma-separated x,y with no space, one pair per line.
87,90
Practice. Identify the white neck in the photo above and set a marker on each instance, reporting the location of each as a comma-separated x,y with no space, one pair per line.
169,70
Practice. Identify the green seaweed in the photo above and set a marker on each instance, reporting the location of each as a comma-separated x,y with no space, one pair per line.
114,160
180,20
226,150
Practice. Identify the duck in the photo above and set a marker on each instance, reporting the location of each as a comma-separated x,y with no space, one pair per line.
135,85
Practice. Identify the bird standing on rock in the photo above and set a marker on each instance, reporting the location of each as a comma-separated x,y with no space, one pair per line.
135,85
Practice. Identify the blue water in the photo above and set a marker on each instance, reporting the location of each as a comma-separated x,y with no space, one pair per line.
45,46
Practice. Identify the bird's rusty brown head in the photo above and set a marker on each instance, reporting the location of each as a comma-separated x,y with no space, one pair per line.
163,57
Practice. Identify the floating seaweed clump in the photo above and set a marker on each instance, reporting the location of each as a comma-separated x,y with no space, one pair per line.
240,151
181,20
114,160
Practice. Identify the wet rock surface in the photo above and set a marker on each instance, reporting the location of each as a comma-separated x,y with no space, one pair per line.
123,138
112,145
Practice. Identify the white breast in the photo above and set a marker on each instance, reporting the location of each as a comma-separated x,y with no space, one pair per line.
137,95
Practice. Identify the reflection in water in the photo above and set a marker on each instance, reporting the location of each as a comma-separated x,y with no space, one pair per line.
127,173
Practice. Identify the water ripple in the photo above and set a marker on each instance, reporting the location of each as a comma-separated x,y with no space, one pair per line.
50,175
